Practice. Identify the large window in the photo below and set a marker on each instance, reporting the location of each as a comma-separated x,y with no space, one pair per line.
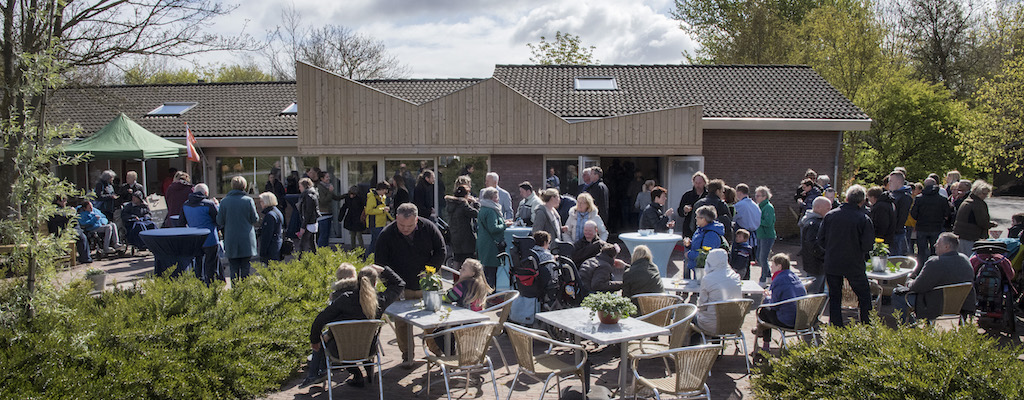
255,170
454,166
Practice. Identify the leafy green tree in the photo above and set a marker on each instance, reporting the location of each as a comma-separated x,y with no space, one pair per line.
943,38
917,124
240,73
566,49
141,74
742,31
1000,132
843,44
146,73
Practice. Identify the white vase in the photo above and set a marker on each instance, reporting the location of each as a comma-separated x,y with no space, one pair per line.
878,264
432,300
98,281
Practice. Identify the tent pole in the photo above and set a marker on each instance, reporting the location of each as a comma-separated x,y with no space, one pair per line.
144,187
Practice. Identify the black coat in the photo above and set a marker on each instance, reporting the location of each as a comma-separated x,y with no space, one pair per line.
847,236
883,218
407,258
654,218
461,218
724,214
423,197
309,209
810,249
903,201
600,193
930,210
346,307
271,234
689,199
351,212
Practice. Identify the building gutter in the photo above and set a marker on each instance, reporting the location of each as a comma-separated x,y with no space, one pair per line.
786,124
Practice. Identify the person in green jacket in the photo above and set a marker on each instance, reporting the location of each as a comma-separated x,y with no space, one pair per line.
236,217
765,232
490,231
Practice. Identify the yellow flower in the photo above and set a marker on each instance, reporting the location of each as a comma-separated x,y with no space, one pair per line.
431,270
879,240
706,248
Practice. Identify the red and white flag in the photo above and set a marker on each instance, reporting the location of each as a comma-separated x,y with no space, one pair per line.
190,144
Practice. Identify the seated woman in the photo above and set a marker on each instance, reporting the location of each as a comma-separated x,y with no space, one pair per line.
642,276
710,233
597,273
719,284
785,285
354,299
136,218
471,289
92,220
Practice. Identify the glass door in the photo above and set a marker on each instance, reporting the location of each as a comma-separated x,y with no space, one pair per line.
680,172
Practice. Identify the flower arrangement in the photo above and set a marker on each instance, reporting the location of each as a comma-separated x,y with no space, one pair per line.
430,280
610,304
702,256
880,249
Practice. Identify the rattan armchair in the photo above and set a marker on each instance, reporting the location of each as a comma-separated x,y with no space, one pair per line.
498,312
729,319
693,365
469,354
808,310
679,332
648,303
953,298
546,364
352,341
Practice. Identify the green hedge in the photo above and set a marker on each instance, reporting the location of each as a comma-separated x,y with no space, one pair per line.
166,338
877,362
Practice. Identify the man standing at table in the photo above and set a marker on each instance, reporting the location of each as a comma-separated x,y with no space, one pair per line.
407,246
847,235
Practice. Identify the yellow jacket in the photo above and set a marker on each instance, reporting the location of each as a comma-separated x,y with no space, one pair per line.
376,217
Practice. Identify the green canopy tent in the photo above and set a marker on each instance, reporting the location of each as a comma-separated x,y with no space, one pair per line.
123,139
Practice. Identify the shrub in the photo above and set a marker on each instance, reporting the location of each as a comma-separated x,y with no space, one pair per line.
166,338
877,362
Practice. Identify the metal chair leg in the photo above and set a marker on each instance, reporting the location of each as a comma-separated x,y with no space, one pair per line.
444,371
512,388
502,354
494,382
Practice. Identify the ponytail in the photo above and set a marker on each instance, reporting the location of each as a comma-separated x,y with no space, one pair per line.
368,292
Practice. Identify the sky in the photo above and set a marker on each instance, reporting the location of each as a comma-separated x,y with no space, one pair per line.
466,38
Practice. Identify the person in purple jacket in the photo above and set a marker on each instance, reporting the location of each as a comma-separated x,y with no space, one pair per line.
785,285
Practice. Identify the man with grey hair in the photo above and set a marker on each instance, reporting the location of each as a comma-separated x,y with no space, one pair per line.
504,198
904,199
946,268
201,212
589,245
847,236
810,249
408,245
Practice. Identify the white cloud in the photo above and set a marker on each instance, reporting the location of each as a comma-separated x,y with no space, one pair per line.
453,38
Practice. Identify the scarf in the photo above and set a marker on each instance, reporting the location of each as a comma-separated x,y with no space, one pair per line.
490,204
581,219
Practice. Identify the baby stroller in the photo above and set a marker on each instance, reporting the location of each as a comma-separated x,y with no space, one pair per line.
569,291
536,281
998,296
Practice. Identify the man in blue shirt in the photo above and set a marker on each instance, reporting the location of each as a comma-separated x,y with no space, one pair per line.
748,214
504,198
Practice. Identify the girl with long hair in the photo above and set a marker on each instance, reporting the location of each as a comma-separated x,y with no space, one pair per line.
472,287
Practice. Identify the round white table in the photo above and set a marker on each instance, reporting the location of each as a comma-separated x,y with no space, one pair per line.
661,245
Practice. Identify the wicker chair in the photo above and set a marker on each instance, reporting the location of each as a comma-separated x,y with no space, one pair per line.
808,310
953,298
469,354
498,313
850,298
729,318
693,365
648,303
679,332
359,335
547,363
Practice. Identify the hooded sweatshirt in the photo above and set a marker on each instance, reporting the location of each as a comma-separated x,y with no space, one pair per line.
720,283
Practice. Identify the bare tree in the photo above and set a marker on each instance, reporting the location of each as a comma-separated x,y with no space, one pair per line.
42,40
332,47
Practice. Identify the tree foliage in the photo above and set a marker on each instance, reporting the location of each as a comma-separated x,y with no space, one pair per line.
742,31
1000,133
943,38
843,44
332,47
566,49
145,73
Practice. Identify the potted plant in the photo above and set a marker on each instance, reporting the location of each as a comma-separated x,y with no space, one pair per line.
430,284
98,278
879,255
609,307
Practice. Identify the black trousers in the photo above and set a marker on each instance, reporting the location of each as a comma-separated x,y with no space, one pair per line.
207,266
860,286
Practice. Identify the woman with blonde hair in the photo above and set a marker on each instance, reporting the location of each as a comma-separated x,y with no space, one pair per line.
584,211
236,217
973,220
353,299
271,229
641,276
545,216
471,289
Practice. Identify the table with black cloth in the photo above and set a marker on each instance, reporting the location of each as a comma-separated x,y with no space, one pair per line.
172,246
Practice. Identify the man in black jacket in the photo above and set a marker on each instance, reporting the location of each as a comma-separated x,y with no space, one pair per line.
903,200
847,235
685,209
930,210
408,245
883,214
716,191
599,190
810,249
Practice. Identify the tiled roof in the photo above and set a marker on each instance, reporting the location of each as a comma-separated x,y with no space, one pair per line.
223,109
729,91
419,91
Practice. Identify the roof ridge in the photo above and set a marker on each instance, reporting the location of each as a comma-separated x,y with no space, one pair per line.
292,82
422,80
656,65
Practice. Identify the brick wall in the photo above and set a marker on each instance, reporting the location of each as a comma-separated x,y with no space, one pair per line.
770,158
514,169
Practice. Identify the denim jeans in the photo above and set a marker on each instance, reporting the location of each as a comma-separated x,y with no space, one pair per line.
323,235
899,245
926,245
374,233
239,267
764,249
903,303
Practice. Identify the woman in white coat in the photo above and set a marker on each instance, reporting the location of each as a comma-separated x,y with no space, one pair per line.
720,283
584,211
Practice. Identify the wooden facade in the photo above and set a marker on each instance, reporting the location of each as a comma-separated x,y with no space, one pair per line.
341,116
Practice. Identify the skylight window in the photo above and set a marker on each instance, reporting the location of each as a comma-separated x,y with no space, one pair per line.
293,109
596,83
171,109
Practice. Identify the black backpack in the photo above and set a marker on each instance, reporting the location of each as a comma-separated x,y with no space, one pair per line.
989,285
